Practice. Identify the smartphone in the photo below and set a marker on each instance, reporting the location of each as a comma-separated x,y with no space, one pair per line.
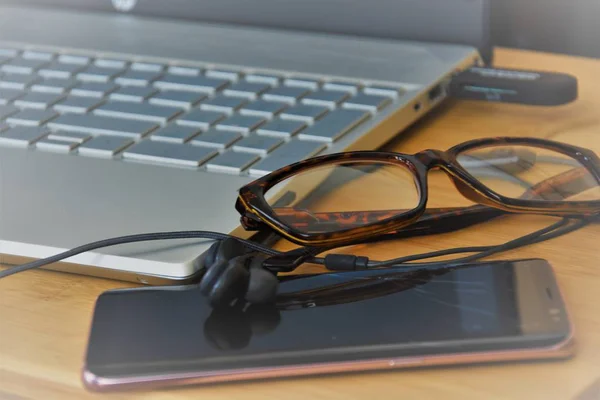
331,322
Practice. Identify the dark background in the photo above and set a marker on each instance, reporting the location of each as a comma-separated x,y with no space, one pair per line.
562,26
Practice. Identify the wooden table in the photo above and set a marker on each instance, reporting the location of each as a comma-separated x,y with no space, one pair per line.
45,316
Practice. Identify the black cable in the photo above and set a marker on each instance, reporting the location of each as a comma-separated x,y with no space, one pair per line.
483,251
559,228
132,239
525,238
433,254
520,242
439,253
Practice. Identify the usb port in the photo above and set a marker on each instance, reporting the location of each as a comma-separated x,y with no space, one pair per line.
436,93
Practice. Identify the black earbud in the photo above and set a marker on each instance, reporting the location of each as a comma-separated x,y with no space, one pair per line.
232,273
263,284
223,250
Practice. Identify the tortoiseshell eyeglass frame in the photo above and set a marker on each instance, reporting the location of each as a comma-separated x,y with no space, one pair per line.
257,214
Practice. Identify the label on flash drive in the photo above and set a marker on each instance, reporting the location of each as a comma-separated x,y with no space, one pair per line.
514,86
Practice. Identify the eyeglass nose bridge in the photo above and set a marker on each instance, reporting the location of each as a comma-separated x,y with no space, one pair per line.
432,158
437,159
469,191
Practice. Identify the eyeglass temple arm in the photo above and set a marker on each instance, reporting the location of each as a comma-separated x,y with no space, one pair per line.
559,187
437,220
440,219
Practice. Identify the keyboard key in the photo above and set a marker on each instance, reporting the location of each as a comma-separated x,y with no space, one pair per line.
110,63
286,94
351,88
223,103
248,90
79,105
8,51
4,126
325,98
223,73
56,145
180,154
94,89
60,70
367,102
281,128
175,134
183,70
6,111
303,112
22,136
53,85
147,66
137,111
31,117
137,78
8,95
17,81
192,83
95,73
95,125
263,78
231,162
38,55
261,145
333,126
240,123
74,59
382,91
200,118
301,82
263,108
22,66
4,59
216,139
286,154
177,99
132,93
38,100
104,146
70,136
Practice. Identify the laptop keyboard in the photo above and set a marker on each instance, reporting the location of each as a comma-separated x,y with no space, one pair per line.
212,119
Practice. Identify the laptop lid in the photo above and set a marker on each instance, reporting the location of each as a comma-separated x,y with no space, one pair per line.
444,21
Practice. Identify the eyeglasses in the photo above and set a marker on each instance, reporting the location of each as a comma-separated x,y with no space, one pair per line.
350,197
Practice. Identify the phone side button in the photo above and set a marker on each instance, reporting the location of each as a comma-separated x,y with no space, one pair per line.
404,362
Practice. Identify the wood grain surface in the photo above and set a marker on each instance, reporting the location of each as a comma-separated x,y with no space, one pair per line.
45,316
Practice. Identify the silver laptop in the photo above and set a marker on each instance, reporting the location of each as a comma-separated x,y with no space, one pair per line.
116,123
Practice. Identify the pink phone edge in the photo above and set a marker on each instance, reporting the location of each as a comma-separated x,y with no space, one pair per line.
564,349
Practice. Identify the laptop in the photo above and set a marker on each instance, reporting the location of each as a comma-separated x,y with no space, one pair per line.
123,117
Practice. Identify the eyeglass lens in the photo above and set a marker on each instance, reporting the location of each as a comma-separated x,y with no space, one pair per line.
344,195
531,173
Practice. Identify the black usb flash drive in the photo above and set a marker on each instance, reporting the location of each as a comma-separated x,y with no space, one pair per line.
514,86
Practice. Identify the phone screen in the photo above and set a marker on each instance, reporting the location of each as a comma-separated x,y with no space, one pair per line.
330,317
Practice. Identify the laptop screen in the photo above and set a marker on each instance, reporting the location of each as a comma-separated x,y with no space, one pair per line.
447,21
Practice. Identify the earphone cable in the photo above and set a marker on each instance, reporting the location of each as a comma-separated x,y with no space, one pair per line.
408,262
483,249
144,237
559,228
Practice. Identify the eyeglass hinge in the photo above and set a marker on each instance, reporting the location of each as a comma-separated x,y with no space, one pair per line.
288,261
